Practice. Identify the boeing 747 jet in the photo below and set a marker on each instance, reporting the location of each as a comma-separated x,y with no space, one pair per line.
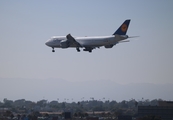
90,43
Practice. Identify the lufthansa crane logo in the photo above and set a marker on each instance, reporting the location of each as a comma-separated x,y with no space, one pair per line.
124,27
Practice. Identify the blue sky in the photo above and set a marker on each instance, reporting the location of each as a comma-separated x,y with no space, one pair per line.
26,25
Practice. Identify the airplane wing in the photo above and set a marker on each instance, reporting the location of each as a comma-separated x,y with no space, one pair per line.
71,40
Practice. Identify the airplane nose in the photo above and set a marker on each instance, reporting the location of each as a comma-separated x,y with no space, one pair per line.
47,43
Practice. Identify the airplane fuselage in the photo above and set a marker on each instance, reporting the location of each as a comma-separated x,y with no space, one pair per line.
90,43
87,41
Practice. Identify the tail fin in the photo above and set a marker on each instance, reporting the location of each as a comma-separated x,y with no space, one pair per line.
123,28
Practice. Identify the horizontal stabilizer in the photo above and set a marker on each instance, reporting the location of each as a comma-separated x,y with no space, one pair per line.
124,41
133,36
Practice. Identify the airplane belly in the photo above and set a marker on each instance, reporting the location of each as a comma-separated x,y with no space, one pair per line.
93,42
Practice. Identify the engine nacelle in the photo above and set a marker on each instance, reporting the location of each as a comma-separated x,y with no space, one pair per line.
109,46
64,44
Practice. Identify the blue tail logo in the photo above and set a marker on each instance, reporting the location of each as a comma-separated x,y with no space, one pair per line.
123,28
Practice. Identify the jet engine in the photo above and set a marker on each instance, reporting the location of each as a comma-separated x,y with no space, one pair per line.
64,44
109,46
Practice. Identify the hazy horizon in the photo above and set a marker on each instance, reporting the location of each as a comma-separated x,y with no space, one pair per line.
53,89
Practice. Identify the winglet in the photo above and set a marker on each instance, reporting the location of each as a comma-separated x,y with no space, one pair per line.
123,28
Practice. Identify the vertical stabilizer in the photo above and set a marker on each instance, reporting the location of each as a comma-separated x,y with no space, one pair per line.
123,28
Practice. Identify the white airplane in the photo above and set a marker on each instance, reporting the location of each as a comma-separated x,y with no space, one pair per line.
90,43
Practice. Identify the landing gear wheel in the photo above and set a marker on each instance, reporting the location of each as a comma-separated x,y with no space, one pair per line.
53,50
78,49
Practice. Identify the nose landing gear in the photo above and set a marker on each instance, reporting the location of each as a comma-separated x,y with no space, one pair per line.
53,49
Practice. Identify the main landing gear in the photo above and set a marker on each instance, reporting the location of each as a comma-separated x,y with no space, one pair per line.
53,50
88,49
78,49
